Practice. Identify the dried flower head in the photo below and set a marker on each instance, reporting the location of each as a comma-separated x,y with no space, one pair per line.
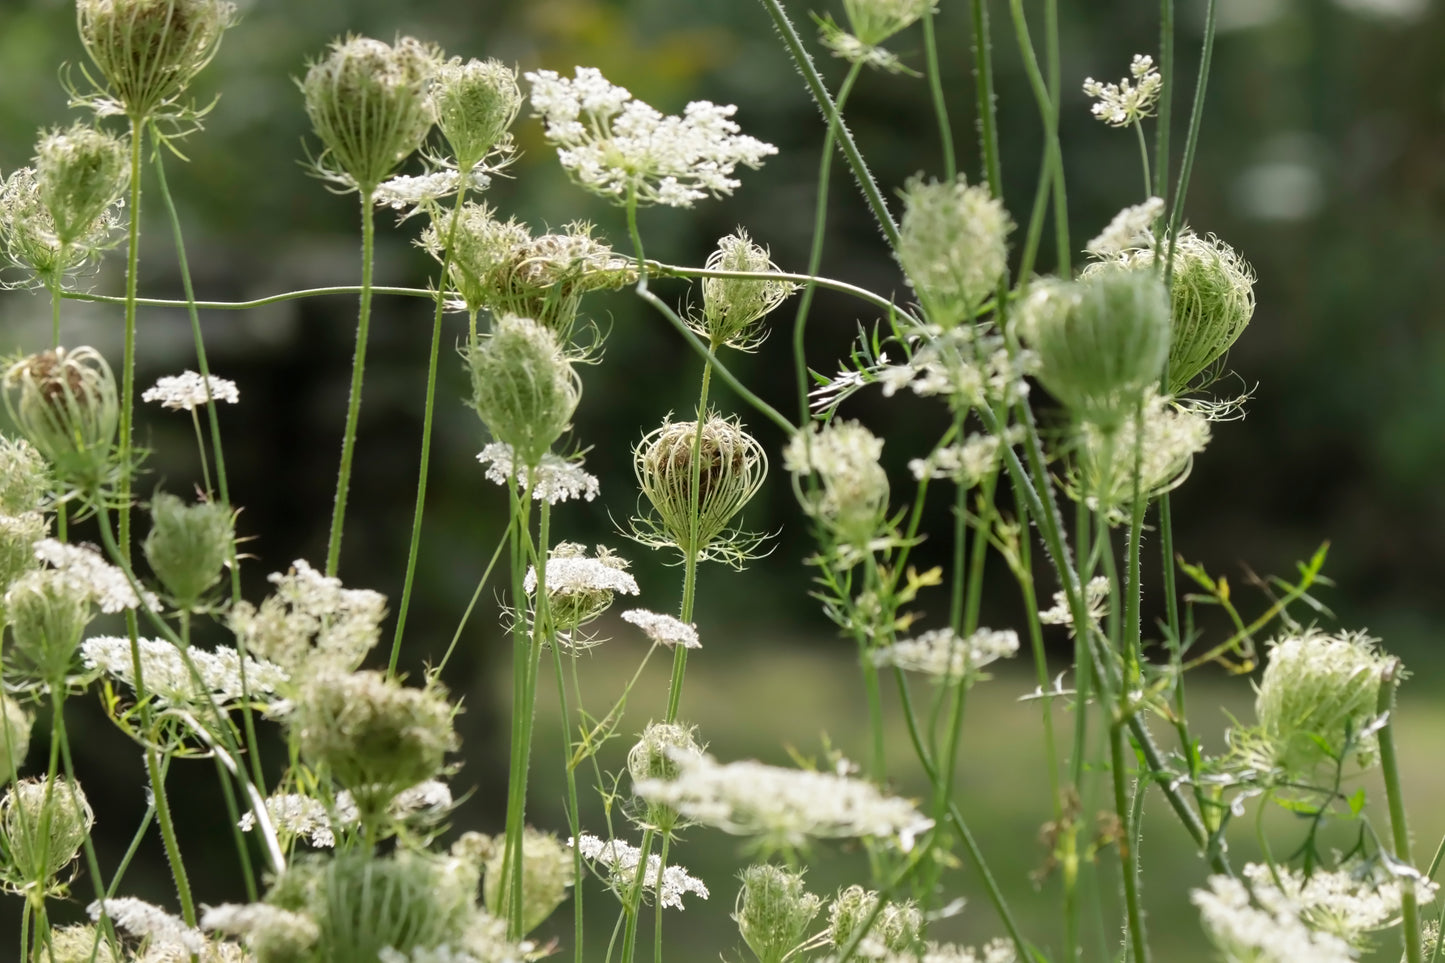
622,149
187,391
65,403
1212,301
1315,705
188,545
1132,98
524,387
546,875
773,910
149,51
374,736
617,862
1160,442
664,629
169,680
895,928
783,807
952,245
368,103
729,469
733,308
475,103
310,623
81,172
42,827
580,588
948,656
1102,342
850,498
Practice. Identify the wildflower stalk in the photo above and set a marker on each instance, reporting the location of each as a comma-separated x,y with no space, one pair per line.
424,460
987,116
1395,798
1166,95
1053,162
692,549
297,295
574,818
935,90
1191,141
127,400
1128,865
358,367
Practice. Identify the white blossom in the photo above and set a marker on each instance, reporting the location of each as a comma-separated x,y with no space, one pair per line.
615,146
664,629
784,806
84,568
139,918
574,575
1246,933
305,817
188,390
618,863
555,479
967,464
1095,595
311,622
1127,227
409,192
1124,103
244,919
946,655
169,680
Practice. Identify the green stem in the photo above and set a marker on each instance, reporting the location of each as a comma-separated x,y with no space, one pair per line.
935,90
358,367
255,302
424,461
1191,141
987,109
168,836
574,817
1049,114
691,551
1128,866
1166,95
1399,827
1144,157
662,270
127,399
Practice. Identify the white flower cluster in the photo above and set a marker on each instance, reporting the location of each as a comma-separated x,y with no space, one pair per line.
618,861
311,622
1127,228
245,919
555,479
139,918
946,655
87,572
959,364
305,817
412,192
995,951
187,391
966,464
167,678
784,806
1349,902
1121,104
1096,593
664,629
616,147
577,575
1162,443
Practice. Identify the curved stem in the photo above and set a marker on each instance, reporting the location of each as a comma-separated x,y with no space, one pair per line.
253,303
353,407
863,294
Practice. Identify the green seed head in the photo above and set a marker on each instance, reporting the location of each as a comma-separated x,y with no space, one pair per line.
375,736
18,535
368,103
475,103
188,545
65,404
897,928
953,246
733,308
24,481
43,826
29,238
81,172
546,874
524,387
149,51
48,612
1102,342
15,725
773,911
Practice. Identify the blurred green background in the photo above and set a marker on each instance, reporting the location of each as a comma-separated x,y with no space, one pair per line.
1320,160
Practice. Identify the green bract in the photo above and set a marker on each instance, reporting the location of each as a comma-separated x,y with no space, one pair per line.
148,51
523,386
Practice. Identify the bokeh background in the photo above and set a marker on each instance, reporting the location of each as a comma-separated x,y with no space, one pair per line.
1320,160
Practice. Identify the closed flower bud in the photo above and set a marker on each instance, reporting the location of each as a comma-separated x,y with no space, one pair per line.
375,736
732,308
546,873
188,545
81,172
523,386
851,497
730,468
48,610
654,756
15,724
1102,342
64,402
24,481
368,103
773,911
42,827
1212,301
149,51
1315,704
953,246
475,103
896,928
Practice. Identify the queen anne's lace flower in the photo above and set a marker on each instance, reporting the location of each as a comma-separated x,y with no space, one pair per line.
618,147
1096,593
107,585
618,862
1262,934
311,622
946,655
555,479
306,817
1121,104
785,807
140,918
188,390
168,679
1127,227
664,629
